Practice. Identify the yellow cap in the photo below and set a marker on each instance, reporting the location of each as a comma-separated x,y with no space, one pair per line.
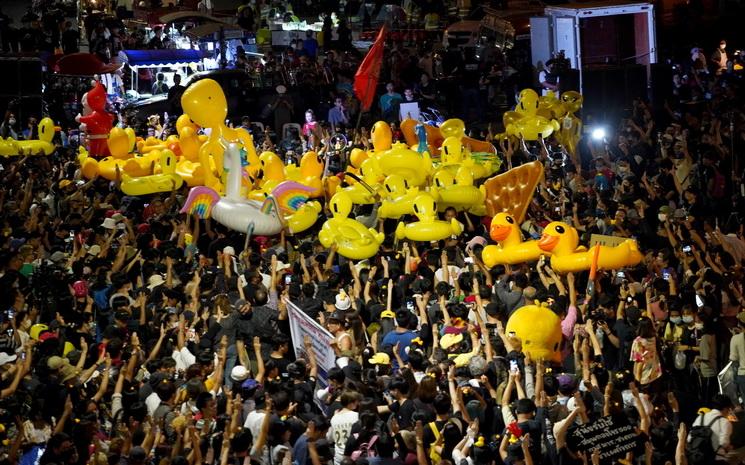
381,358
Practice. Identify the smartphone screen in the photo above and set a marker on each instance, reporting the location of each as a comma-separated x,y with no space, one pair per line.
288,279
513,366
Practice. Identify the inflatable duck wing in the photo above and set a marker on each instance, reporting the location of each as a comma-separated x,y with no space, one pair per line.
561,240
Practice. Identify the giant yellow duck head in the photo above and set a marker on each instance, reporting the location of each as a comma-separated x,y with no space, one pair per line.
370,171
310,165
395,185
572,100
559,238
46,130
451,150
443,179
539,331
425,207
167,162
454,127
357,157
381,136
271,167
205,102
184,121
118,143
503,225
527,102
340,204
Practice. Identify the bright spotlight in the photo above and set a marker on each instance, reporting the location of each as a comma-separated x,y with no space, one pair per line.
598,133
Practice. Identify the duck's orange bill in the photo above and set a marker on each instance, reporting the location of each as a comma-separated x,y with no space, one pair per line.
547,242
499,232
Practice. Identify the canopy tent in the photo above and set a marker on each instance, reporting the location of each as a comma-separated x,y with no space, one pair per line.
157,58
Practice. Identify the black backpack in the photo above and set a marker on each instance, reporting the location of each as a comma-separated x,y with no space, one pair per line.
700,450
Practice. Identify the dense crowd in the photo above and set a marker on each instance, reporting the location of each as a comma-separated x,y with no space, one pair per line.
134,334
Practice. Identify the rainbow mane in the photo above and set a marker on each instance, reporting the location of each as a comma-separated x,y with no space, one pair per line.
291,196
200,202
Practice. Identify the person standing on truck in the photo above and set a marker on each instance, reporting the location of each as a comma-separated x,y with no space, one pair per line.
548,78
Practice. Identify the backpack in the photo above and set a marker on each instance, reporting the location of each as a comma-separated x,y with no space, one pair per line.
365,450
700,450
719,185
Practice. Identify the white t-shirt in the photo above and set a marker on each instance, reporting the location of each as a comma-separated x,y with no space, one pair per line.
253,422
152,402
184,358
454,272
341,429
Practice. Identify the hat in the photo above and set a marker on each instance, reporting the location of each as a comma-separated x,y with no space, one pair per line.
228,250
387,314
380,358
55,362
343,302
80,289
462,359
46,335
281,89
109,223
679,213
155,281
117,216
67,372
7,358
37,329
665,210
449,340
250,384
566,381
58,256
239,373
94,250
64,183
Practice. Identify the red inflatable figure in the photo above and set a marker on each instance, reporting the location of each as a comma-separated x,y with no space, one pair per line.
98,123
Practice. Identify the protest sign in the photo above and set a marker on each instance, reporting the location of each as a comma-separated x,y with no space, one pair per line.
302,325
612,436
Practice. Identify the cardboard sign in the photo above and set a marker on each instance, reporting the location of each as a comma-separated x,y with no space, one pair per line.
613,436
610,241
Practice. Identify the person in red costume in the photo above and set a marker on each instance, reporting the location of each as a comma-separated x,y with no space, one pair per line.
98,122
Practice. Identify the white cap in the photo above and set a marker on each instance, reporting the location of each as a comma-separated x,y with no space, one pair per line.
239,373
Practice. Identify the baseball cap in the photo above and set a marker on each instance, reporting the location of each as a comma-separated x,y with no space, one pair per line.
55,362
239,373
64,183
380,358
336,316
449,340
387,314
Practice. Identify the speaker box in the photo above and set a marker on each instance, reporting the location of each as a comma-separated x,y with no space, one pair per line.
609,91
661,81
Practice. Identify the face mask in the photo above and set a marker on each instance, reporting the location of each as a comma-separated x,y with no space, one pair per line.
687,319
662,217
699,326
675,320
11,121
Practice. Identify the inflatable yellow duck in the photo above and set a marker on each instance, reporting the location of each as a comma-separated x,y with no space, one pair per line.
166,181
539,331
353,240
309,173
407,163
271,171
428,228
371,174
382,137
44,144
561,240
206,105
399,199
458,192
9,147
356,158
511,249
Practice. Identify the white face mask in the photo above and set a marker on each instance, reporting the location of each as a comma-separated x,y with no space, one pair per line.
687,319
12,121
662,217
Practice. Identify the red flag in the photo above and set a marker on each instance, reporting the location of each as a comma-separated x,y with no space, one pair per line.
366,78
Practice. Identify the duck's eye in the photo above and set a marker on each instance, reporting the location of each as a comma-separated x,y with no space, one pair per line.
416,209
387,187
509,220
559,229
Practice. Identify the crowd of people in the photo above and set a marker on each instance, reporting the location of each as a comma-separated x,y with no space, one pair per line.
135,334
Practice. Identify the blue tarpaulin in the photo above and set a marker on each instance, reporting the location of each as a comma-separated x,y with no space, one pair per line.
170,57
